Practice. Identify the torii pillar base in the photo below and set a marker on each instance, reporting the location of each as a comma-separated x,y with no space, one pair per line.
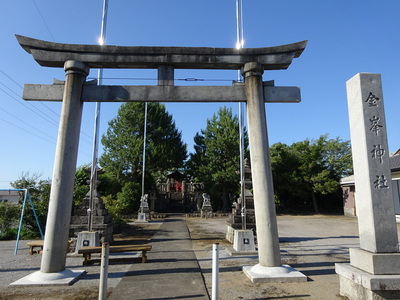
283,273
66,277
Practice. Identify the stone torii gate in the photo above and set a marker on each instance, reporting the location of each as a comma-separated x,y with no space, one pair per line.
78,59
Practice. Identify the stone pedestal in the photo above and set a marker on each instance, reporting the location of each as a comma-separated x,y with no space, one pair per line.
358,284
235,218
370,276
206,212
375,263
87,239
142,218
244,240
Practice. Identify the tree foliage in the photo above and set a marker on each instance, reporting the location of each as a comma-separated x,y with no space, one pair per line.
307,173
216,158
9,213
123,150
81,186
39,191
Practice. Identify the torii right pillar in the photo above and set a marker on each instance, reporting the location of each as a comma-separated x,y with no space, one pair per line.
269,268
374,269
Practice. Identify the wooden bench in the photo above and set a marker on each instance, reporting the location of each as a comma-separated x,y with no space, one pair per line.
88,251
39,244
35,244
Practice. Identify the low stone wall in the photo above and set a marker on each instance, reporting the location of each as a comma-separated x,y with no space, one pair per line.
212,215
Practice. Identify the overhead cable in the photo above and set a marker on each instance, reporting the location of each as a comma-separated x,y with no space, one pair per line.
44,21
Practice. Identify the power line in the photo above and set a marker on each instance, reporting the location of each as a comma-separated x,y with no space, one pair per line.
30,108
33,108
30,125
44,21
9,77
53,141
48,108
52,122
32,133
29,105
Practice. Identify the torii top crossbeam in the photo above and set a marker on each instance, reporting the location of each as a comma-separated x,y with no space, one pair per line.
49,54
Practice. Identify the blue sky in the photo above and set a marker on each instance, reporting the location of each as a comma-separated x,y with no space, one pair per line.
345,37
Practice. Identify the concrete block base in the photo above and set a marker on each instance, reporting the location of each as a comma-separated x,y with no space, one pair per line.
375,263
243,240
357,284
87,239
66,277
283,273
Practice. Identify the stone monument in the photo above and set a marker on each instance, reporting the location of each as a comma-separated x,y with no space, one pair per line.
242,216
374,269
206,209
143,214
101,227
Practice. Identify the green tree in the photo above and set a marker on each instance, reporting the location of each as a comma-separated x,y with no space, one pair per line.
39,191
308,170
216,158
81,186
122,158
127,198
197,159
9,214
287,183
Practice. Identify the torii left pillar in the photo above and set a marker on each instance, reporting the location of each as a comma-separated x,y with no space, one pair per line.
59,213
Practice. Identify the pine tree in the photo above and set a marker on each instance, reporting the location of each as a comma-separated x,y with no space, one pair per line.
308,172
216,158
123,146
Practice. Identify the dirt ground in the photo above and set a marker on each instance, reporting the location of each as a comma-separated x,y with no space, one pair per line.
14,267
311,244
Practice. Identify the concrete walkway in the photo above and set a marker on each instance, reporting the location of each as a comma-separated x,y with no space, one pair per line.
172,270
